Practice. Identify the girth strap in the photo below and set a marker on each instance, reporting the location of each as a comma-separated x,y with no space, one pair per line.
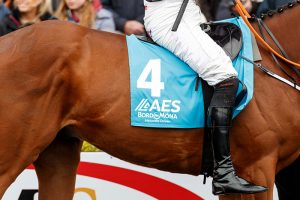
241,95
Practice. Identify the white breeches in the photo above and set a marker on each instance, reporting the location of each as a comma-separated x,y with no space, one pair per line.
189,42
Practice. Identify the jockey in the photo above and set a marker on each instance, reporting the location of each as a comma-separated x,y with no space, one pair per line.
204,56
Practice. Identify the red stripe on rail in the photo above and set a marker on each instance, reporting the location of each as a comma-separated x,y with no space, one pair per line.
153,186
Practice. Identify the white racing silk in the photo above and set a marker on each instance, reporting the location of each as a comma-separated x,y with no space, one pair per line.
189,42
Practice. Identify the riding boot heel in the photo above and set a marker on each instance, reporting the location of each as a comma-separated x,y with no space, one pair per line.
217,189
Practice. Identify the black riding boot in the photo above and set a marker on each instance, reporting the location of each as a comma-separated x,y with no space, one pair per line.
220,113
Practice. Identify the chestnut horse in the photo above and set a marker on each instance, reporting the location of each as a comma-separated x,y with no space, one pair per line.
62,84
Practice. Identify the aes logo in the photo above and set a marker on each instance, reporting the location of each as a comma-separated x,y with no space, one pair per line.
28,194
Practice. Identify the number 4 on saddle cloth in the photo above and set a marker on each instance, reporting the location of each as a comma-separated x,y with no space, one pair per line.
162,87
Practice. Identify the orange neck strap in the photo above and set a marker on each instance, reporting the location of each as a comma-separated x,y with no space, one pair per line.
244,14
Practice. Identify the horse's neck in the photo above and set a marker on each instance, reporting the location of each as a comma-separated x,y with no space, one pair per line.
275,103
286,28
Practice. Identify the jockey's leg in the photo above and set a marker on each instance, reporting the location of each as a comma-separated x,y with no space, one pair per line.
56,168
189,42
220,114
205,57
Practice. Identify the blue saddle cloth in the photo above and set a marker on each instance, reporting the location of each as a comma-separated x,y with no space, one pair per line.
162,87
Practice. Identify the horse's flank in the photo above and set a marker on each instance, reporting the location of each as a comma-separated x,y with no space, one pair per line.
80,78
58,79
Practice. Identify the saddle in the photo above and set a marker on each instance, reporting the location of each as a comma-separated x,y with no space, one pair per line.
225,34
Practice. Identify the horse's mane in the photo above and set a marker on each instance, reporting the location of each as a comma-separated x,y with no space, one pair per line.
279,10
